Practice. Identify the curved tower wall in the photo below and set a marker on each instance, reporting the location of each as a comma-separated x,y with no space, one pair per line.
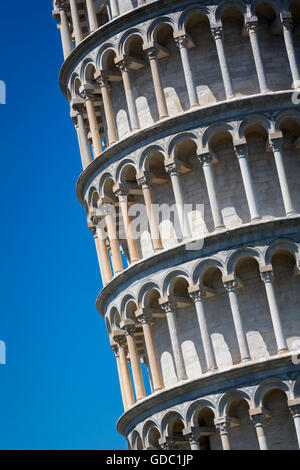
190,105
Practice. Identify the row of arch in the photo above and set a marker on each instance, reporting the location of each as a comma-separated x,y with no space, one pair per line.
199,140
197,274
273,395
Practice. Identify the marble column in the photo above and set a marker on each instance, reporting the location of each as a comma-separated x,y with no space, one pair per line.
119,338
86,156
87,95
217,33
181,42
170,310
121,381
112,133
108,211
241,153
224,427
101,248
267,277
158,88
258,421
76,22
64,27
145,183
172,170
251,28
276,147
146,320
231,287
287,27
295,410
114,8
122,194
129,328
198,298
123,66
206,161
92,17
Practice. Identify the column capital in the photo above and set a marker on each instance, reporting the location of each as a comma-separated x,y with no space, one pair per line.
240,148
144,179
128,326
86,92
61,5
120,190
275,141
181,40
217,31
77,105
251,24
286,21
266,273
167,304
295,410
172,167
222,425
151,51
119,337
122,63
205,158
231,283
198,292
144,316
101,79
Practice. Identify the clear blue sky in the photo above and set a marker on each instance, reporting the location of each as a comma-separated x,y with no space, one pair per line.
59,389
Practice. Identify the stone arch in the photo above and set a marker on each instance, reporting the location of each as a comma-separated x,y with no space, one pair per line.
114,317
148,427
149,286
137,442
239,4
269,385
126,300
213,130
74,87
86,71
122,166
200,268
195,407
281,245
288,119
102,52
93,193
168,419
147,152
254,120
103,179
225,400
256,3
154,25
171,277
125,38
185,136
189,11
234,257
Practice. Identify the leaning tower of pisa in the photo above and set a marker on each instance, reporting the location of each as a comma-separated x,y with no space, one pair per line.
188,123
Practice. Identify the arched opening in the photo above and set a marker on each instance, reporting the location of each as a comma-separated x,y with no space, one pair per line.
153,439
204,423
271,39
204,60
175,435
242,432
279,428
286,286
219,319
170,63
237,44
257,321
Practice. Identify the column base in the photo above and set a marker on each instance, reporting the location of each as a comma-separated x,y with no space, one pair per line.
256,219
219,228
291,214
135,260
296,85
282,351
163,117
265,90
246,359
196,105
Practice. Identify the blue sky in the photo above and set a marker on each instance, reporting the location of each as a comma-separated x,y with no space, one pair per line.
59,389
